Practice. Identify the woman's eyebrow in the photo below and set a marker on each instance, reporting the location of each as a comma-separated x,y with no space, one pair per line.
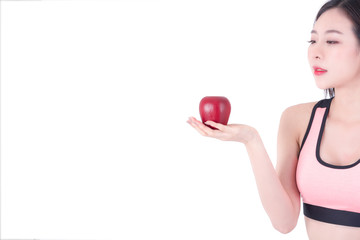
328,31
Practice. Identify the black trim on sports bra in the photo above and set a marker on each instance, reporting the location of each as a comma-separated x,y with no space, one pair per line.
321,104
318,157
333,216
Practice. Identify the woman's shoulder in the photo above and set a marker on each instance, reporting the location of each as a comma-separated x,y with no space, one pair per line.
300,110
296,118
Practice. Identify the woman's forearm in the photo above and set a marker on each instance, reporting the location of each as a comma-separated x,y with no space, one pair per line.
282,210
274,198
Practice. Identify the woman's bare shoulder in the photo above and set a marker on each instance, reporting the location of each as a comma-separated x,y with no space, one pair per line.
296,118
300,110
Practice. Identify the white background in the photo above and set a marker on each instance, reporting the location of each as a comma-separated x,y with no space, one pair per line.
94,101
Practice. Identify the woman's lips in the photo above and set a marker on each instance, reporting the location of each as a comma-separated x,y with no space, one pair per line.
319,71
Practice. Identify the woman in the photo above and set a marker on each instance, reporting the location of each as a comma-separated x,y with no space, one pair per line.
318,143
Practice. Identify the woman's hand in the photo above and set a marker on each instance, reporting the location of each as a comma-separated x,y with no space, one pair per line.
232,132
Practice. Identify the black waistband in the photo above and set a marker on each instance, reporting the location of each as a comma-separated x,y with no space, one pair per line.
328,215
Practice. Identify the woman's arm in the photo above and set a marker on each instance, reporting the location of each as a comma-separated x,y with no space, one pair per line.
277,187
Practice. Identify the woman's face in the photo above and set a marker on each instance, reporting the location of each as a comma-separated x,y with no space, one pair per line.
334,51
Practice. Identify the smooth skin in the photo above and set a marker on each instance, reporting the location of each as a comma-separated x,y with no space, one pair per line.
339,53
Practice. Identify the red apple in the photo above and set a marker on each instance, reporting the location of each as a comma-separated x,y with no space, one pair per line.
216,109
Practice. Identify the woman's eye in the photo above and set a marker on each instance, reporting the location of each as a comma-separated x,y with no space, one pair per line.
328,42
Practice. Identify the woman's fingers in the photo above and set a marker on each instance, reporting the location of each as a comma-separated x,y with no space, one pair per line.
200,127
194,123
206,131
232,132
218,126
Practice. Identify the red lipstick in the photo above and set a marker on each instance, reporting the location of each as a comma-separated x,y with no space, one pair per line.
318,71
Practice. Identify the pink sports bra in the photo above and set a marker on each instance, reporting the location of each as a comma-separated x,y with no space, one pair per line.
330,193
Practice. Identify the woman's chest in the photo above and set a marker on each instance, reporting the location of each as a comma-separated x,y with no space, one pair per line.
340,143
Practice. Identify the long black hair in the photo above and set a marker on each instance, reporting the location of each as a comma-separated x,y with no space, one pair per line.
352,9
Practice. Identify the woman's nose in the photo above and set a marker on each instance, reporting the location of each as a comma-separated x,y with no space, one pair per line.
316,52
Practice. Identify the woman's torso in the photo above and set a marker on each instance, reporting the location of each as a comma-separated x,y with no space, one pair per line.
327,181
319,231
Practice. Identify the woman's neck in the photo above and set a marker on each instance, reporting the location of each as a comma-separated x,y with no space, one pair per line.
346,105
